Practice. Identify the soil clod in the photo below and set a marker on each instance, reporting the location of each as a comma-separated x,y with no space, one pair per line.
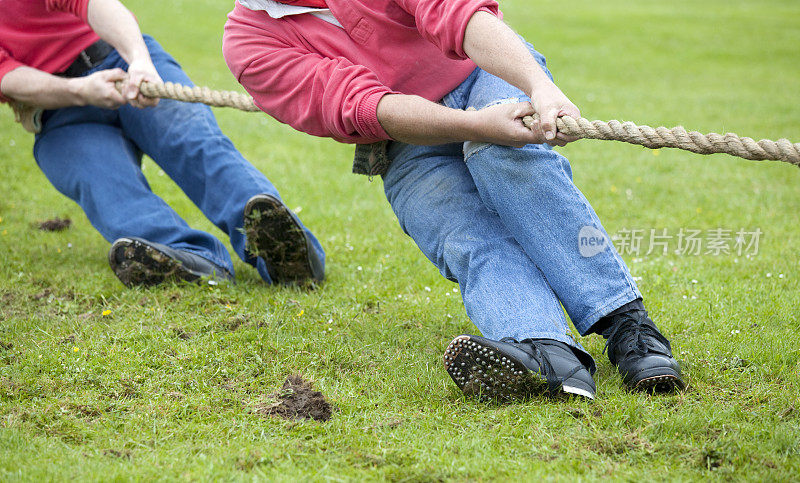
297,400
56,224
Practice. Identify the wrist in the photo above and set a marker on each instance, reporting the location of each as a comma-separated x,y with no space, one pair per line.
77,91
136,53
469,125
538,80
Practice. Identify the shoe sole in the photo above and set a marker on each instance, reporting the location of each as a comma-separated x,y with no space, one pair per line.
486,373
659,383
274,235
139,264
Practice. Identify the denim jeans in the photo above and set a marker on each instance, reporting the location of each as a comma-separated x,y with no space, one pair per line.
93,156
504,223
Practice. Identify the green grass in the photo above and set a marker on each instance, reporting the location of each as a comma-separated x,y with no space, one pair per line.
163,386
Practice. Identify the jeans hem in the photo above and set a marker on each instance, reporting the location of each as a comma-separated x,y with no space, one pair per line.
585,325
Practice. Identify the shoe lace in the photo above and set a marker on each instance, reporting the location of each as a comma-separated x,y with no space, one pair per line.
533,347
634,327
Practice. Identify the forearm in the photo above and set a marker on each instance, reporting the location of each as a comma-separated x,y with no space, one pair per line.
415,120
34,87
495,48
116,25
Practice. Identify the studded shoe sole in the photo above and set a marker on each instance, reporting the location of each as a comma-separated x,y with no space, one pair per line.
136,263
659,383
273,234
483,371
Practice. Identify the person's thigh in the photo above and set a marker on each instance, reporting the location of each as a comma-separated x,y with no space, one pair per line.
95,165
437,204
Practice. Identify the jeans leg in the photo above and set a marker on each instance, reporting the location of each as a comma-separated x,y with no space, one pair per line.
186,142
532,191
96,166
437,204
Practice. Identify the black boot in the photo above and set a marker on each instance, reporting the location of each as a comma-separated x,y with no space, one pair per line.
642,355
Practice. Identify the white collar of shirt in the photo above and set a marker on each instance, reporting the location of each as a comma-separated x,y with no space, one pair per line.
280,10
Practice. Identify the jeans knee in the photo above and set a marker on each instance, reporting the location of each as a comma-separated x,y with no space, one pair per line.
462,248
530,163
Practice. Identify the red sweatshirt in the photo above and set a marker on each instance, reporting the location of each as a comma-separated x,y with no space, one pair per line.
325,80
44,34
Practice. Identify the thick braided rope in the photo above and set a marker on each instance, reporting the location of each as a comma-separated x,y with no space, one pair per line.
653,138
203,95
678,137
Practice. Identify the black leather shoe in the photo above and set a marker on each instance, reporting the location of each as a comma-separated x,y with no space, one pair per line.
136,261
274,233
642,355
508,369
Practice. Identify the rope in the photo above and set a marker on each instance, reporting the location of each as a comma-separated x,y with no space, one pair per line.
653,138
678,137
202,95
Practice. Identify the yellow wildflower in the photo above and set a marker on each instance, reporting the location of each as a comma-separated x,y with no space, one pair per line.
106,313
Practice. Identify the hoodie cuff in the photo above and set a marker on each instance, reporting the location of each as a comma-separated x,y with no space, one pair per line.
366,119
6,66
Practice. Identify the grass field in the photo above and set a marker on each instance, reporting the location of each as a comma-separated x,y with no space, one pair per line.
99,382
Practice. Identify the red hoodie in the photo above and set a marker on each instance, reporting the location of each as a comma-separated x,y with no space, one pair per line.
44,34
327,81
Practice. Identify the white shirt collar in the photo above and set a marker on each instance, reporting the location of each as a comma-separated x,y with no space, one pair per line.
280,10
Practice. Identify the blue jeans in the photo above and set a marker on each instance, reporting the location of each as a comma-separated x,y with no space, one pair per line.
504,223
93,156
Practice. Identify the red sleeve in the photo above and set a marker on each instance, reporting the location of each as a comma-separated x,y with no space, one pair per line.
444,23
314,94
7,64
79,8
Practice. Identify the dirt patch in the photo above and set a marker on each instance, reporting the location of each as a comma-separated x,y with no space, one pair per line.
233,323
387,423
128,390
43,294
297,400
56,224
83,410
117,453
622,444
9,388
69,339
181,333
250,460
48,295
